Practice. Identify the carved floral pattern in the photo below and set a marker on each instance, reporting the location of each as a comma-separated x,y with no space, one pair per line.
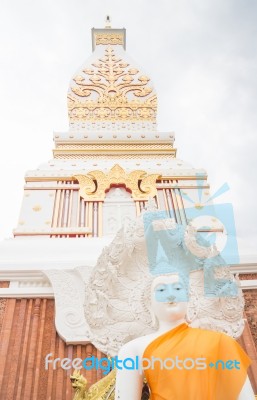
94,185
109,38
110,89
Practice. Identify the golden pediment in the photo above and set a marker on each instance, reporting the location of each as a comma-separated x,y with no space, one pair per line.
95,184
110,89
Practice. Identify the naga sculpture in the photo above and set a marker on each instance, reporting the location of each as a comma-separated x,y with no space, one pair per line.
101,390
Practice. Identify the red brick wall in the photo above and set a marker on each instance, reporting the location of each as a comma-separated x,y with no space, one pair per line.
3,284
246,341
248,276
250,296
2,311
27,335
249,337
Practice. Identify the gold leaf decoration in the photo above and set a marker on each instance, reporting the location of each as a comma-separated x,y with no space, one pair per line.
111,90
87,185
109,38
148,185
95,184
37,208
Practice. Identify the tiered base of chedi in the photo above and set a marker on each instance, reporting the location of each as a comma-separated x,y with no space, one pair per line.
73,278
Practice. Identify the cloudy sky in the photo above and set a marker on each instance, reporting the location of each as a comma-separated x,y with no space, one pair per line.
201,55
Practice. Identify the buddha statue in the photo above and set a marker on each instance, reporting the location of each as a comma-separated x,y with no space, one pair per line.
136,306
182,362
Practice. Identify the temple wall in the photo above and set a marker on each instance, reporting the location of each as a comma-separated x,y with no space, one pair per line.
250,333
3,284
27,335
246,341
251,311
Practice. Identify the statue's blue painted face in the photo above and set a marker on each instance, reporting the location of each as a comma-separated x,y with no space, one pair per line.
170,292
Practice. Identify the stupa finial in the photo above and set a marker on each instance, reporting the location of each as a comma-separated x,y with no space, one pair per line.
108,22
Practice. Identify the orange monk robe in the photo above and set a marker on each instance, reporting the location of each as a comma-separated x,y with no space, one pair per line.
211,383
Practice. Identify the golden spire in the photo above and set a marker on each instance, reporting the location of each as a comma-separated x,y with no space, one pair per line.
109,89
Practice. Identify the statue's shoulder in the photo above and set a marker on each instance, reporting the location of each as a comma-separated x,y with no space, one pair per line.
211,334
136,346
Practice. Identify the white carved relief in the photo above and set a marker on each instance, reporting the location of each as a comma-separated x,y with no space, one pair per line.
69,298
112,127
118,295
118,208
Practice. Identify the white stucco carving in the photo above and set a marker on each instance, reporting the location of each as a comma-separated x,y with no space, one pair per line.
69,298
118,208
118,295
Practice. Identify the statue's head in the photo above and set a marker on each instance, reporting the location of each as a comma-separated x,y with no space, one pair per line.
78,381
169,297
